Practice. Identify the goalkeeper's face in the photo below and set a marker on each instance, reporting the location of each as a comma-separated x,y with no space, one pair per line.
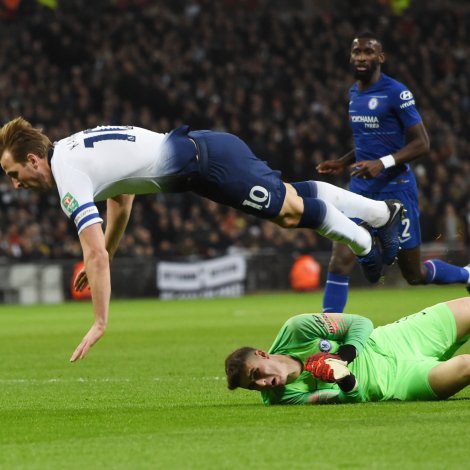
263,372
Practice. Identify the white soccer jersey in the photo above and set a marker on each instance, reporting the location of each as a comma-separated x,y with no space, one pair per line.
104,162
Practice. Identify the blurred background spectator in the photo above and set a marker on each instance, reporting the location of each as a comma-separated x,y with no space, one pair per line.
273,72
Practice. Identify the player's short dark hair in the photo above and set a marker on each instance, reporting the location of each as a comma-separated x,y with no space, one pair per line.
369,35
235,364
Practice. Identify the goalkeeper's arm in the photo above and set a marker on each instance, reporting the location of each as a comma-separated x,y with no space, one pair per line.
345,380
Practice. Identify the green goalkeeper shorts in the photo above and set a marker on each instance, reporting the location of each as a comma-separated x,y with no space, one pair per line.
417,343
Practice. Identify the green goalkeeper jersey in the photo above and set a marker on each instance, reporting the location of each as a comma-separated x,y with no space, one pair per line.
307,334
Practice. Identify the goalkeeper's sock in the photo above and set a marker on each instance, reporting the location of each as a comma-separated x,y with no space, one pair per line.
331,223
335,295
440,272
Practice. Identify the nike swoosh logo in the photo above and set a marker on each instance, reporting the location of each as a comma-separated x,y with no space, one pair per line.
269,201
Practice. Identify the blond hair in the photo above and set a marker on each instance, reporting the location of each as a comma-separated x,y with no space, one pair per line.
19,137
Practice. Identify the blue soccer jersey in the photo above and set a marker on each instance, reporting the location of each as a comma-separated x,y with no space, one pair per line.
379,117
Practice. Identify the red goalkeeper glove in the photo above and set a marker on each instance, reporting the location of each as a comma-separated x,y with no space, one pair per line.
316,357
327,367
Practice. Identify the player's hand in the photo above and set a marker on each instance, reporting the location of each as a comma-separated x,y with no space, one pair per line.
331,167
93,335
81,280
315,364
320,355
327,367
366,169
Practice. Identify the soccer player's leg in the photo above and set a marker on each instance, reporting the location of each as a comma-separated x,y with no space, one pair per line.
431,271
460,309
341,264
422,341
451,376
328,221
411,267
440,272
236,177
233,175
437,333
375,213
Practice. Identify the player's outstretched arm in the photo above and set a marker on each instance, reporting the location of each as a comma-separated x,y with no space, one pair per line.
118,212
97,270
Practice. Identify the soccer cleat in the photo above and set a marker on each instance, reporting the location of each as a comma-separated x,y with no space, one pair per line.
389,233
371,263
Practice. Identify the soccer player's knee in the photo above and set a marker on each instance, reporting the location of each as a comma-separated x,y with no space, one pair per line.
288,220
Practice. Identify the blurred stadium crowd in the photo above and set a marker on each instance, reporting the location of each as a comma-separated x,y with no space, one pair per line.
275,73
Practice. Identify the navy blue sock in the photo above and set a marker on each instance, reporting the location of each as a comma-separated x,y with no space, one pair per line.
336,293
314,213
306,188
439,272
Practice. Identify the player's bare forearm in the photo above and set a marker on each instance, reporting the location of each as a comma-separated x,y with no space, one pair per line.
118,213
349,157
335,167
98,273
97,268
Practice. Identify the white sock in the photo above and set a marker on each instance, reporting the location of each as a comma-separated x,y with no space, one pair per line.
467,268
336,226
375,213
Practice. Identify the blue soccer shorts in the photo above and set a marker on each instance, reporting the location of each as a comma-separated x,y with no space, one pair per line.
410,233
231,174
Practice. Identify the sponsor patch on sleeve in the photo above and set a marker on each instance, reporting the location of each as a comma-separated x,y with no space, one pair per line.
70,203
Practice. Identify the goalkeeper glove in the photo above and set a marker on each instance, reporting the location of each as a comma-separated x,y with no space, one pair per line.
327,367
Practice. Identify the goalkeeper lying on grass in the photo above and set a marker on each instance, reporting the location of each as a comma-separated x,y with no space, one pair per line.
340,358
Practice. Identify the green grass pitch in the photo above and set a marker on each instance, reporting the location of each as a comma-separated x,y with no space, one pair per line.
152,393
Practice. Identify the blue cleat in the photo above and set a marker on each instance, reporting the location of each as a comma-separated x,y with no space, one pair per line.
389,233
371,264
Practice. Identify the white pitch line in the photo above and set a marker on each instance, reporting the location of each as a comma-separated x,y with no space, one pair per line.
101,380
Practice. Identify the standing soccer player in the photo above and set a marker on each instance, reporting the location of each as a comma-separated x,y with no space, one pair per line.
388,134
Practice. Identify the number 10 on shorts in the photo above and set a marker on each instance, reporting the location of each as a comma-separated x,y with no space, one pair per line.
259,198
